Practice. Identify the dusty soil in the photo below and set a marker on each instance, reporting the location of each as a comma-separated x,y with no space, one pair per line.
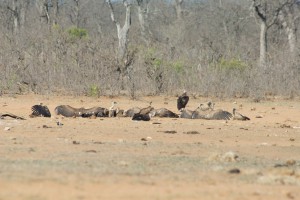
116,158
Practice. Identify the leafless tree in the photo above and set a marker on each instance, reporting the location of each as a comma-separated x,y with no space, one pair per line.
143,15
288,17
267,18
122,31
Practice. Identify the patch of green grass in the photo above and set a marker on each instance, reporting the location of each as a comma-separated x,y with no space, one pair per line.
94,91
231,64
77,33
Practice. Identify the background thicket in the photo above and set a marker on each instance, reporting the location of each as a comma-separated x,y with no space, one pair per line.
222,48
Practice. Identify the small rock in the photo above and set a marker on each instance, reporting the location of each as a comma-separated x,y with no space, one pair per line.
292,139
121,140
7,128
91,151
146,139
290,195
230,156
234,171
291,162
98,142
285,126
170,132
192,132
76,142
123,163
156,123
59,123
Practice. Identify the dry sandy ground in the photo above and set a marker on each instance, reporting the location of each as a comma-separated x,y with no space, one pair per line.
108,158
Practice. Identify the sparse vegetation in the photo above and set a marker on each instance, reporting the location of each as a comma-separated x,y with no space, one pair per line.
215,52
94,91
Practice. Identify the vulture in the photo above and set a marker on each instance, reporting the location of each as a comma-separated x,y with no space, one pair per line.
211,114
40,111
130,112
163,112
207,106
68,111
112,110
187,114
182,101
141,117
120,113
147,110
2,115
136,110
239,116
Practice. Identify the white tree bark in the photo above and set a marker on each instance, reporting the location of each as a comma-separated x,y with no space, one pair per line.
14,9
142,7
122,31
287,19
263,44
178,8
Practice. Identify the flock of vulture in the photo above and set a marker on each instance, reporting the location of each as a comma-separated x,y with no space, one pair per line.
203,111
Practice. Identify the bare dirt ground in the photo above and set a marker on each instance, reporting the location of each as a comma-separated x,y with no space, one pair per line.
116,158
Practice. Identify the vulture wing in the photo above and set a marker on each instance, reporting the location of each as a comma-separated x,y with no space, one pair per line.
184,113
40,111
219,115
163,112
141,117
67,111
182,101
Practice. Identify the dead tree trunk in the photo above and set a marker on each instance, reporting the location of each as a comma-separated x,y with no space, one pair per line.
122,31
267,19
178,8
287,20
261,13
124,61
18,9
15,9
55,12
142,7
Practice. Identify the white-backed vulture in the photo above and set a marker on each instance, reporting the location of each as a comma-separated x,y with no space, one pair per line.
68,111
211,114
163,112
239,116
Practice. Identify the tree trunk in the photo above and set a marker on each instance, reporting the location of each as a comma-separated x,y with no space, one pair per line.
142,16
55,12
287,20
22,16
122,31
178,8
14,9
262,16
263,44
